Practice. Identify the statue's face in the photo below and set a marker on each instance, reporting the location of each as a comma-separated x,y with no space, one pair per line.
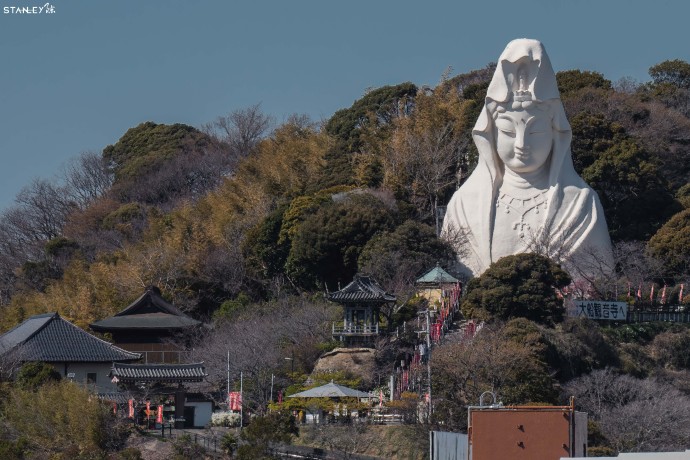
524,138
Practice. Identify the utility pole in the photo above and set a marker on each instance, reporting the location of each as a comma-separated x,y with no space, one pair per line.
428,358
272,379
241,400
227,395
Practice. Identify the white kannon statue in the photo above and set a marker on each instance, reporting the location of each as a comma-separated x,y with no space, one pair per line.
524,195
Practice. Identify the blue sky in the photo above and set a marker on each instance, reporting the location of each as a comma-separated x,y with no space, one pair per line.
77,79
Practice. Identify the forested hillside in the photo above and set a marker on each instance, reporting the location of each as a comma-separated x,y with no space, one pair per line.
246,215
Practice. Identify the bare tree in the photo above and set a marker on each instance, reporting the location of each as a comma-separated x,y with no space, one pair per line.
241,129
636,415
260,345
87,178
424,159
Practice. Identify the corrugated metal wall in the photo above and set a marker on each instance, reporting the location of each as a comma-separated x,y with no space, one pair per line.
448,446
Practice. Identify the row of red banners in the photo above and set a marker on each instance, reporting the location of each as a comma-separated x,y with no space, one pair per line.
149,412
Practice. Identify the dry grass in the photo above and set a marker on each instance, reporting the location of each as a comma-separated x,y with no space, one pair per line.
400,442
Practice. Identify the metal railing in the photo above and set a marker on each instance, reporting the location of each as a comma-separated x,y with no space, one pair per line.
353,329
163,357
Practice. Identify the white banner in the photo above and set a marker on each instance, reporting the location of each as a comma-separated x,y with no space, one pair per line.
600,309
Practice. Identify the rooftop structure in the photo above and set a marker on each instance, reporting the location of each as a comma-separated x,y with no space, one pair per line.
150,325
436,277
149,312
332,390
361,301
73,352
163,373
50,338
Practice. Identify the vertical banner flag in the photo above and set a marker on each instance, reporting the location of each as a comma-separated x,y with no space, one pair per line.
159,415
131,408
680,296
663,295
639,291
235,400
114,408
651,294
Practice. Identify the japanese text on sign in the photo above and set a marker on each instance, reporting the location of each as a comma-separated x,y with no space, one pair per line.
598,309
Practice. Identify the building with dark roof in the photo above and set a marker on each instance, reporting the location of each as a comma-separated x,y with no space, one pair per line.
150,326
73,352
362,300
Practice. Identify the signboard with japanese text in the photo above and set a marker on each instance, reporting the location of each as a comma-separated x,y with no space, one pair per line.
600,309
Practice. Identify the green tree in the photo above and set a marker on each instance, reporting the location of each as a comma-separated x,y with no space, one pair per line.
145,147
358,132
522,285
329,242
671,244
593,134
276,427
385,104
683,195
396,257
634,196
675,72
35,374
570,81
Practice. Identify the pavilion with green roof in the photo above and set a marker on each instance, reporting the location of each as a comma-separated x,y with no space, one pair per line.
431,284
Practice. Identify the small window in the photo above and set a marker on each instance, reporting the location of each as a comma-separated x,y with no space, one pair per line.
91,378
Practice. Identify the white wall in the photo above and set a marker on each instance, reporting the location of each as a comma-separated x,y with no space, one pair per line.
202,412
103,383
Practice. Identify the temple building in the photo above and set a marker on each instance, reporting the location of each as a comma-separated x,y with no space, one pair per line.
73,352
150,326
432,284
362,300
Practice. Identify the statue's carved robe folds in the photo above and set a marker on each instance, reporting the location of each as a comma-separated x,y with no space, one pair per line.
572,226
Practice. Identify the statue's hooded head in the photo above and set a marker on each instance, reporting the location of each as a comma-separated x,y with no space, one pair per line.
523,93
525,79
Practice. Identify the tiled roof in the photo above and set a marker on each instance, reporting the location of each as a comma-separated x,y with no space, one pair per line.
145,321
130,373
150,311
361,289
332,390
437,275
50,338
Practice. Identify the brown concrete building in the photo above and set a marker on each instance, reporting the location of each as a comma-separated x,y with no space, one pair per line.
526,432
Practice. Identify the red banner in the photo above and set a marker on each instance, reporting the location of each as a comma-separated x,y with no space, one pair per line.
114,408
159,415
131,408
235,400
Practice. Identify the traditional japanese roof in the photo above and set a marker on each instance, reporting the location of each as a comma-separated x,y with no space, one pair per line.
436,276
362,289
150,311
332,390
119,398
177,373
50,338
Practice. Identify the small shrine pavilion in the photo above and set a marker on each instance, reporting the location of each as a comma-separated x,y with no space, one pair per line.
149,326
432,284
362,300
